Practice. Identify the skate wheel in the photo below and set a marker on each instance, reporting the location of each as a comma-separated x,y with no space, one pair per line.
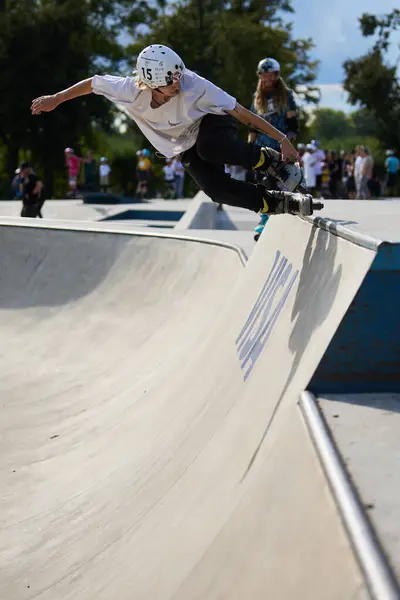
256,237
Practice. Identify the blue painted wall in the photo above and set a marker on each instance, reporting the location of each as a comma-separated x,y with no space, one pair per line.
364,354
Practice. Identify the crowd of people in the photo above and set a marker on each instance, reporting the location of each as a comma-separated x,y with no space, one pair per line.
173,174
330,174
82,173
93,179
198,134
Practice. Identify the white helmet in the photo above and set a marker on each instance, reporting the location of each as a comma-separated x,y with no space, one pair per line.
389,152
103,159
268,65
158,65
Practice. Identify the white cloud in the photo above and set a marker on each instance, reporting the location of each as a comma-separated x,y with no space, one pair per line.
335,31
332,96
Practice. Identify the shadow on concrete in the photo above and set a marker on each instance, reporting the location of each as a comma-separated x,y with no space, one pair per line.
386,402
318,287
45,268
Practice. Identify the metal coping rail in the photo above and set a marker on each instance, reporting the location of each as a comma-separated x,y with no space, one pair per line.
379,577
356,237
84,226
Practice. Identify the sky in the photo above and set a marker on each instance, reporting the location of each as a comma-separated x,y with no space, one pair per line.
334,27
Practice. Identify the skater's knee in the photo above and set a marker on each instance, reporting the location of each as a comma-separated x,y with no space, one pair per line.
207,149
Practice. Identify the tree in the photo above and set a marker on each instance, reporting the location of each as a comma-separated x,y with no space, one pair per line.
224,42
329,124
45,47
364,123
372,83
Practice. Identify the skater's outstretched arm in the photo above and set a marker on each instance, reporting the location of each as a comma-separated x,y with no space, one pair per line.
48,103
252,120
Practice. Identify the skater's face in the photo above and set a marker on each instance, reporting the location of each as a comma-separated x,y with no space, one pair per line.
169,91
268,80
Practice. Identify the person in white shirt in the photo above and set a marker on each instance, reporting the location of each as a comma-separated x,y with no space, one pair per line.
319,154
357,170
181,113
179,178
169,178
366,172
104,171
310,160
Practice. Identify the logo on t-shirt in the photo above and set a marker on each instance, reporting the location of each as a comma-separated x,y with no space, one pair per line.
174,124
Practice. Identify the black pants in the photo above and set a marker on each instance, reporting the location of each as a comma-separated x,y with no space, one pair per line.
32,210
217,145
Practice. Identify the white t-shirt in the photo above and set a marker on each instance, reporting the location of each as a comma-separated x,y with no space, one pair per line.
367,166
309,169
169,172
179,170
357,167
319,154
173,127
104,170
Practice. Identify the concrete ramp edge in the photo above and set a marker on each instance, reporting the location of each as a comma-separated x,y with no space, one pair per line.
379,577
202,214
63,225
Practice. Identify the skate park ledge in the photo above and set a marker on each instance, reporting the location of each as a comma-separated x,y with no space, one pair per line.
224,424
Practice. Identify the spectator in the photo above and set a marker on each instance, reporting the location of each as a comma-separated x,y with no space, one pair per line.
357,169
366,171
16,185
143,172
169,178
301,148
350,180
179,178
90,172
32,192
309,163
275,103
105,171
324,192
73,164
319,154
392,165
334,166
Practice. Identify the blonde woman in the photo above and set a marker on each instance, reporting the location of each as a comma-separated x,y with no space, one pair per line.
274,102
183,114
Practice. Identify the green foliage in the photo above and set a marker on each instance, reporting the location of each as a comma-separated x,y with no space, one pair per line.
48,45
382,26
337,131
328,122
225,41
45,47
364,123
372,83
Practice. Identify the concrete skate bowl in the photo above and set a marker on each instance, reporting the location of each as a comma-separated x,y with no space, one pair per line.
151,446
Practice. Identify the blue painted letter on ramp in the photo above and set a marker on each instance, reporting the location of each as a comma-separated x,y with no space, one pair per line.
265,312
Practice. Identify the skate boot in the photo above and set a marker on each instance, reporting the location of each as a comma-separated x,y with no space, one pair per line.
278,202
289,174
260,227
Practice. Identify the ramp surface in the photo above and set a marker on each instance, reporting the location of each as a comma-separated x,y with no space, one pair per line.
151,446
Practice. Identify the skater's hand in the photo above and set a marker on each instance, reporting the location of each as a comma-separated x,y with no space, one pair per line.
288,151
43,104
